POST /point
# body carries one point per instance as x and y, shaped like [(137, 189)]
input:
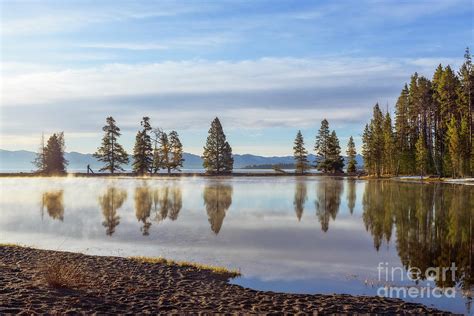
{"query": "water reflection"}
[(53, 201), (301, 196), (143, 203), (167, 203), (434, 225), (110, 202), (328, 200), (351, 195), (217, 199)]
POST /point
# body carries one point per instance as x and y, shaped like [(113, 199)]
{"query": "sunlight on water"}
[(303, 235)]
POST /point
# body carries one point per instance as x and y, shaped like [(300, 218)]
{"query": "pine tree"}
[(322, 146), (300, 154), (454, 147), (217, 156), (465, 147), (111, 152), (40, 159), (377, 140), (161, 152), (351, 155), (439, 131), (388, 145), (55, 163), (401, 131), (143, 151), (367, 149), (177, 159), (335, 160), (421, 155), (465, 103)]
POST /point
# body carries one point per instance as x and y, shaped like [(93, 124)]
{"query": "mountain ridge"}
[(21, 160)]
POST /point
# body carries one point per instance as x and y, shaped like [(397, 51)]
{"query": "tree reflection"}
[(300, 198), (351, 195), (167, 203), (328, 200), (217, 199), (143, 203), (53, 201), (434, 225), (110, 202), (163, 202), (176, 203)]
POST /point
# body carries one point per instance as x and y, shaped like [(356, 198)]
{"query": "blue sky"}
[(266, 68)]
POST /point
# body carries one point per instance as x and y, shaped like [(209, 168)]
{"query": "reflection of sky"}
[(261, 234)]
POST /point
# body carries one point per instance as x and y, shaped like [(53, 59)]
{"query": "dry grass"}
[(62, 275), (218, 270)]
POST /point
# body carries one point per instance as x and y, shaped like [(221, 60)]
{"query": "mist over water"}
[(302, 235)]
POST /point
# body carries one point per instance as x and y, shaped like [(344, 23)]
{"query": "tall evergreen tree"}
[(217, 156), (176, 161), (377, 140), (322, 146), (40, 159), (351, 156), (402, 131), (111, 152), (143, 151), (388, 145), (300, 154), (466, 106), (421, 155), (367, 149), (454, 147), (55, 163), (161, 152), (335, 160)]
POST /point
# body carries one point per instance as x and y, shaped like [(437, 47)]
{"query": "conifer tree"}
[(388, 145), (377, 140), (351, 155), (401, 131), (161, 152), (367, 149), (454, 147), (322, 146), (465, 103), (176, 161), (217, 155), (54, 161), (421, 155), (300, 154), (335, 160), (143, 151), (40, 159), (111, 152)]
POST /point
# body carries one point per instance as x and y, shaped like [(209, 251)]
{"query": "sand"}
[(110, 285)]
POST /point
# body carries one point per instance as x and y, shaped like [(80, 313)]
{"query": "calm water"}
[(312, 235)]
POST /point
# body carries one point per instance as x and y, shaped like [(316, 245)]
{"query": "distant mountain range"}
[(21, 160)]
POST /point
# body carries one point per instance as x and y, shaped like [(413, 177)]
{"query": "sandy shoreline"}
[(121, 285)]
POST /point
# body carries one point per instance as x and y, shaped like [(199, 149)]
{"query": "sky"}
[(266, 68)]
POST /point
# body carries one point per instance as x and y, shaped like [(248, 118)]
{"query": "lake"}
[(290, 234)]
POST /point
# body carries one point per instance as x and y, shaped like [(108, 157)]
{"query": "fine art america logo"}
[(390, 276)]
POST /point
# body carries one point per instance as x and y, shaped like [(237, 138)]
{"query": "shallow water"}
[(300, 235)]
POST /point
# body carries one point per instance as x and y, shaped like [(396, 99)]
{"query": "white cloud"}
[(200, 76)]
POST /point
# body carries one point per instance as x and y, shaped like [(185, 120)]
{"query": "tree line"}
[(328, 152), (433, 128), (153, 151)]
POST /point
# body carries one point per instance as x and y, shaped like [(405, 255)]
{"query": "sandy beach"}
[(110, 285)]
